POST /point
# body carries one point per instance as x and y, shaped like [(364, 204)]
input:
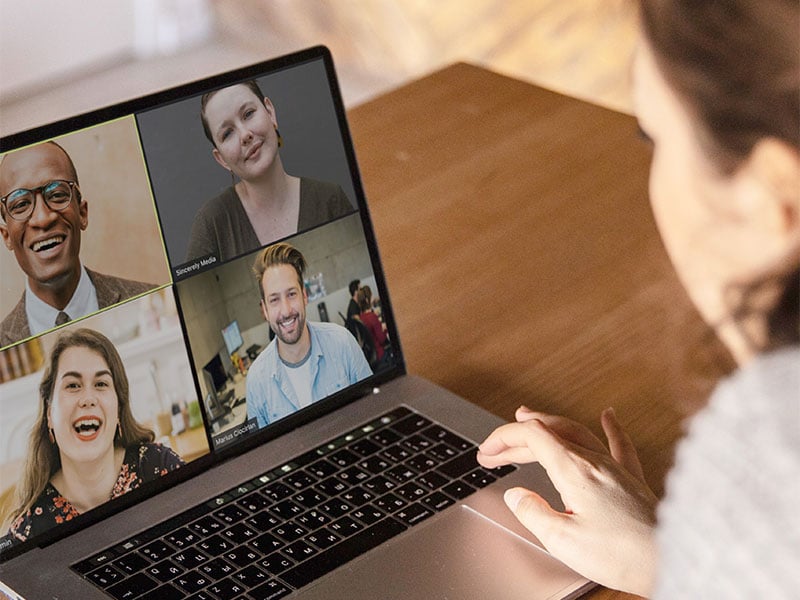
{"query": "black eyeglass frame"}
[(74, 189)]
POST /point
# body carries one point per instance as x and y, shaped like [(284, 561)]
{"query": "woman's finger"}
[(565, 428), (620, 444)]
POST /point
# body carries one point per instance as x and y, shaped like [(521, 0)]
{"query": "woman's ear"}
[(220, 161), (271, 110)]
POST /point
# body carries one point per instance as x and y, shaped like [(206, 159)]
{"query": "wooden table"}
[(523, 259)]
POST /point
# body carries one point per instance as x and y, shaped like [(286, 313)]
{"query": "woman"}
[(717, 89), (267, 204), (86, 447), (372, 322)]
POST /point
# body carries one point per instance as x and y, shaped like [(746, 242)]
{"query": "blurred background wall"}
[(58, 58)]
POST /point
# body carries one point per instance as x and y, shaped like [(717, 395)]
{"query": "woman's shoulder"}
[(729, 498), (221, 203), (154, 452), (150, 460), (48, 510), (321, 201)]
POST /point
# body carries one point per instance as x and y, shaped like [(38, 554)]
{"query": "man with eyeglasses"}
[(42, 215)]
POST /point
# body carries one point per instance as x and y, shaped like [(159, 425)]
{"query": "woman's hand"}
[(606, 531)]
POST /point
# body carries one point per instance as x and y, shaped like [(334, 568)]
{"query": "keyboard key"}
[(380, 485), (479, 478), (438, 501), (230, 514), (241, 556), (168, 592), (397, 453), (286, 509), (443, 452), (422, 463), (182, 538), (157, 550), (275, 563), (458, 490), (263, 521), (313, 519), (254, 502), (300, 550), (401, 473), (440, 434), (300, 480), (322, 469), (309, 498), (411, 424), (432, 480), (414, 513), (190, 558), (277, 491), (457, 467), (364, 447), (346, 526), (165, 570), (240, 533), (390, 503), (215, 545), (266, 543), (105, 576), (336, 508), (337, 555), (226, 589), (133, 587), (324, 538), (251, 576), (191, 581), (131, 563), (272, 590), (412, 491), (206, 526), (216, 569), (368, 515), (290, 532), (357, 496), (385, 437), (418, 443)]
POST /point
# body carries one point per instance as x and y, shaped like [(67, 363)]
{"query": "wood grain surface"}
[(523, 261)]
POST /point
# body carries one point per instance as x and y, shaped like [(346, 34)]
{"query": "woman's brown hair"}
[(735, 64)]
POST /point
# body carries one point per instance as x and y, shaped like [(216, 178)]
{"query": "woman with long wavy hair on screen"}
[(86, 447)]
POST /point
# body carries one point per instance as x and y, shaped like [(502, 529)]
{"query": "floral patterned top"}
[(141, 464)]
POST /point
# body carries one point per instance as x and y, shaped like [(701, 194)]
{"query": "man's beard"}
[(290, 337)]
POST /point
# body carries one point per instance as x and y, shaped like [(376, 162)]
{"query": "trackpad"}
[(461, 554)]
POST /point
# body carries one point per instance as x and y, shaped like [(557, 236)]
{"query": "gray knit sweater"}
[(729, 526)]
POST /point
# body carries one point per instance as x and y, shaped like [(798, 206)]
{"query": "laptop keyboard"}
[(278, 532)]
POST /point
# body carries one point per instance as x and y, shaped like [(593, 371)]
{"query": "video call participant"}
[(86, 447), (372, 322), (353, 309), (267, 204), (305, 362), (43, 214)]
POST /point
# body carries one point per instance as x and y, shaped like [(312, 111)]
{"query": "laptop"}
[(230, 486)]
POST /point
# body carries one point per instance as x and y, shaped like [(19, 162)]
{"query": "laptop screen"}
[(189, 274)]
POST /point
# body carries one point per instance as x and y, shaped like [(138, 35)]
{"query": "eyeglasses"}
[(57, 195)]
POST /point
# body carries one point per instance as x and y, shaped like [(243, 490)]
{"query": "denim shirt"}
[(336, 363)]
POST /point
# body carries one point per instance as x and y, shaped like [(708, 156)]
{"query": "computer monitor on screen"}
[(233, 337)]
